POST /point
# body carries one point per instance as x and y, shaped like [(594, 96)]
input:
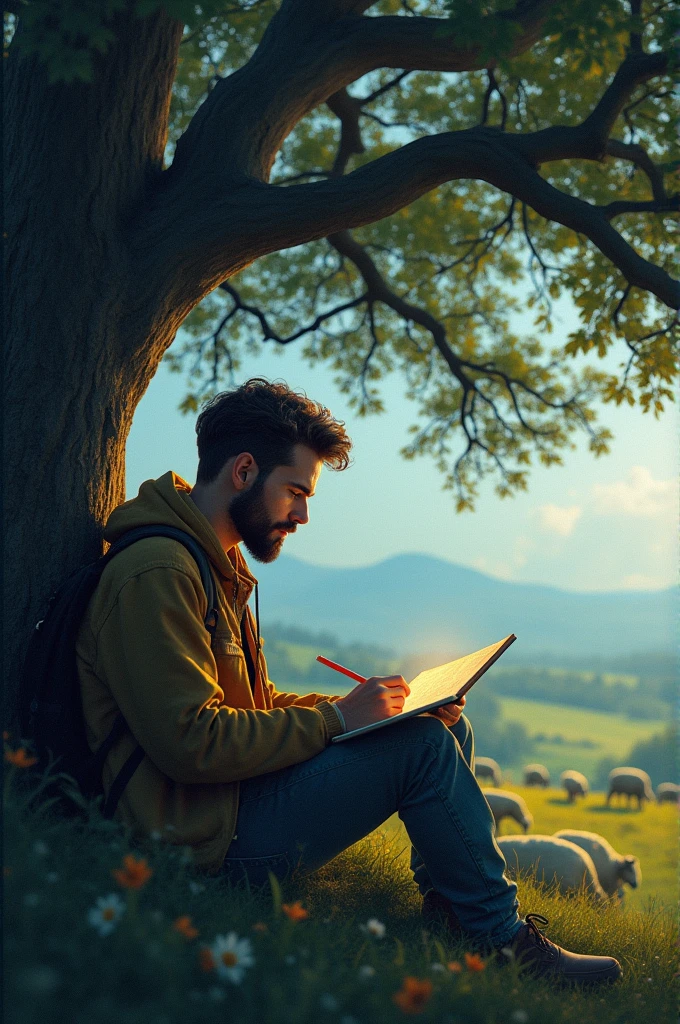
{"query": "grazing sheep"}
[(488, 769), (612, 868), (575, 784), (668, 792), (553, 860), (536, 775), (508, 805), (630, 782)]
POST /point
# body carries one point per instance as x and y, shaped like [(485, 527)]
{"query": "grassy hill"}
[(154, 966)]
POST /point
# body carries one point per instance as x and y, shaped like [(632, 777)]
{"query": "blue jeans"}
[(301, 817)]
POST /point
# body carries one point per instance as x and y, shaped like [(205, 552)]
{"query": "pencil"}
[(341, 668)]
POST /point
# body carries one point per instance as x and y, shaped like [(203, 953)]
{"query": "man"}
[(246, 775)]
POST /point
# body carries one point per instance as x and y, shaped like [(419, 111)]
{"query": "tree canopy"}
[(431, 170)]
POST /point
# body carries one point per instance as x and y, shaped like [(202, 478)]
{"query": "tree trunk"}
[(81, 345)]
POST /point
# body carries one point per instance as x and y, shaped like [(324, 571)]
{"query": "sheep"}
[(504, 804), (536, 775), (575, 784), (488, 769), (612, 868), (552, 859), (668, 792), (630, 782)]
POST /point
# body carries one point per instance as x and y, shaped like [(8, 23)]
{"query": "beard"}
[(250, 517)]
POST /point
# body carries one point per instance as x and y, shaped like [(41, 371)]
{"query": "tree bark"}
[(80, 347)]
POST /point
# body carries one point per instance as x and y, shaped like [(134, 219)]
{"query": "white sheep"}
[(575, 784), (504, 804), (612, 868), (488, 769), (536, 775), (552, 859), (630, 782), (668, 792)]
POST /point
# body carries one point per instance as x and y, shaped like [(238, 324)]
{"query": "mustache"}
[(287, 527)]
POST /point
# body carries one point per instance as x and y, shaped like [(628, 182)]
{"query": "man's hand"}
[(449, 713), (379, 697)]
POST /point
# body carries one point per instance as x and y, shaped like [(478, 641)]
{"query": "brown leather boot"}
[(544, 958), (437, 912)]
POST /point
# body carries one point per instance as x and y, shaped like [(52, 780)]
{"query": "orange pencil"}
[(341, 668)]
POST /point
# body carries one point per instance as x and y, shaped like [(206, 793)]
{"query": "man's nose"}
[(300, 513)]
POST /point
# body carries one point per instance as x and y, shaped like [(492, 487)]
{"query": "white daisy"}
[(231, 955), (106, 913), (519, 1016), (366, 971), (437, 968), (196, 887), (373, 927)]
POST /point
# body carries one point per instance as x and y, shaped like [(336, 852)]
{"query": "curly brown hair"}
[(266, 419)]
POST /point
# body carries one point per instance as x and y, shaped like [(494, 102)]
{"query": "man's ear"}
[(244, 471)]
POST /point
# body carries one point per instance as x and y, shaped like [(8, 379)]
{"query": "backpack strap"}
[(119, 726)]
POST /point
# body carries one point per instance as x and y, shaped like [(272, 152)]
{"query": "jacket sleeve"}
[(153, 651), (280, 699)]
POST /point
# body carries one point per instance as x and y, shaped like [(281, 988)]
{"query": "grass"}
[(610, 735), (145, 972)]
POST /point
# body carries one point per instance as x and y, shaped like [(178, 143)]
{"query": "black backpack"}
[(50, 706)]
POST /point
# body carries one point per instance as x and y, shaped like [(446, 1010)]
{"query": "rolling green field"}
[(609, 735)]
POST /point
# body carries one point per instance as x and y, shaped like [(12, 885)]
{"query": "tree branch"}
[(639, 156)]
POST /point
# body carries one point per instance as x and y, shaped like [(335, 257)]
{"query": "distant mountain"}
[(414, 603)]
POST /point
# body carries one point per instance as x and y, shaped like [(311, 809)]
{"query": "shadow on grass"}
[(609, 809)]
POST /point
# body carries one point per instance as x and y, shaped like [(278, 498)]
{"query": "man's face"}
[(272, 508)]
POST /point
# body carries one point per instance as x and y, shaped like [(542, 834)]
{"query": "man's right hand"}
[(379, 697)]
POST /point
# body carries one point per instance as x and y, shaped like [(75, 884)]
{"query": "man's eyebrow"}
[(301, 487)]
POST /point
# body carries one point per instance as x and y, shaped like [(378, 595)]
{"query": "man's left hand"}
[(449, 713)]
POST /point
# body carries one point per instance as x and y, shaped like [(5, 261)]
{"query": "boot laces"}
[(537, 936)]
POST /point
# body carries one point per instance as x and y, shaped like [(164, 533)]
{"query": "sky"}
[(592, 524)]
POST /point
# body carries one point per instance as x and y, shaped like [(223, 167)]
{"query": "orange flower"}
[(184, 926), (260, 926), (205, 960), (134, 874), (474, 962), (20, 758), (413, 995), (295, 911), (454, 965)]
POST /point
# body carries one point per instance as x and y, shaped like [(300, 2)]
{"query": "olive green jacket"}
[(143, 649)]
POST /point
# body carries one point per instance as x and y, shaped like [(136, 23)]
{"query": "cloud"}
[(506, 570), (558, 519), (638, 581), (639, 495)]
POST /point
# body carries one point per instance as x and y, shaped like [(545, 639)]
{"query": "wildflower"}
[(19, 758), (413, 995), (508, 953), (519, 1017), (106, 913), (196, 887), (134, 873), (184, 926), (31, 899), (295, 911), (328, 1002), (437, 968), (231, 955), (454, 966), (366, 971), (260, 926), (40, 848), (373, 927), (473, 962), (205, 960)]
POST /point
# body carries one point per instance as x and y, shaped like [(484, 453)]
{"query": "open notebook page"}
[(448, 680)]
